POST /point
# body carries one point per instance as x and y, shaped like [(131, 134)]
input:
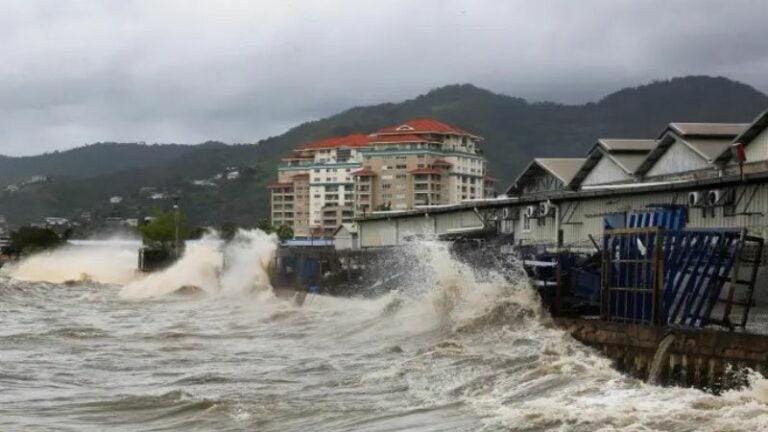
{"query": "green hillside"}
[(87, 161), (514, 130)]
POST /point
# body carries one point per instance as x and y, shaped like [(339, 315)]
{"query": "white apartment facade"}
[(418, 163)]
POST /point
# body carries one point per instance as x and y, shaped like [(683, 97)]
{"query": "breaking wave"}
[(453, 348), (236, 267), (111, 262)]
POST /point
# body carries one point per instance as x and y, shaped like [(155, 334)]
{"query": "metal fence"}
[(692, 278)]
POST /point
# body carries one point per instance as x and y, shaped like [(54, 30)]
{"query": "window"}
[(402, 166)]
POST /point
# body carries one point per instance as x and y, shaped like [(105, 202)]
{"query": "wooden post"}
[(605, 312), (659, 317)]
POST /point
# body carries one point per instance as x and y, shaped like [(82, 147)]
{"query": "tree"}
[(265, 226), (162, 227), (28, 239), (227, 231), (284, 232)]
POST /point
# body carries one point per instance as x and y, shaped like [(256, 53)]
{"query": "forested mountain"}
[(514, 130), (87, 161)]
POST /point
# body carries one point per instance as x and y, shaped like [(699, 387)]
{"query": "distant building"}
[(56, 222), (114, 221), (36, 179), (324, 184), (147, 190), (116, 200)]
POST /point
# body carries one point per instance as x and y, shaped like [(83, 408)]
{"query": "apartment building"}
[(422, 162)]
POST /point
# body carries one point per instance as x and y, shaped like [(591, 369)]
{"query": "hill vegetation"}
[(84, 179)]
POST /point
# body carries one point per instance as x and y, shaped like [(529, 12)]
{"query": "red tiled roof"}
[(364, 173), (425, 125), (278, 185), (354, 140), (441, 162), (424, 171), (397, 138), (305, 175)]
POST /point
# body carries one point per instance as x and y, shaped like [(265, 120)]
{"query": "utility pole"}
[(176, 224)]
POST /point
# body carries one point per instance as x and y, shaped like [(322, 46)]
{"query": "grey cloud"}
[(186, 71)]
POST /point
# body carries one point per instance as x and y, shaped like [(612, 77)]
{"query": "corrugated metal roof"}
[(709, 149), (754, 129), (562, 168), (709, 129), (638, 145), (709, 140), (629, 162), (627, 154)]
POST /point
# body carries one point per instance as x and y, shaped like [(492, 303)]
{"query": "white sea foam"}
[(111, 262), (233, 268)]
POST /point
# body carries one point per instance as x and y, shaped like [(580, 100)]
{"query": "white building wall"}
[(757, 150), (587, 217), (606, 171), (334, 177), (377, 233), (677, 159)]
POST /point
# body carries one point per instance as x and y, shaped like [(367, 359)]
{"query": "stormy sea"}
[(87, 344)]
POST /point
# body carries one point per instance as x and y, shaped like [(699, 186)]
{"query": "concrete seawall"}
[(708, 359)]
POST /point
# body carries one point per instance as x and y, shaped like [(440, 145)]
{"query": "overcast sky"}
[(76, 72)]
